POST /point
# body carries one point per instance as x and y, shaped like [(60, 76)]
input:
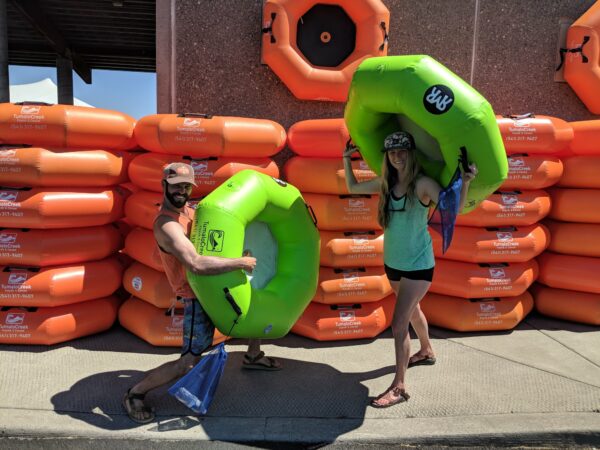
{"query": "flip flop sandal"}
[(254, 364), (131, 410), (401, 394), (427, 361)]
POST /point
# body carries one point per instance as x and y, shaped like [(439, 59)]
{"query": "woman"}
[(405, 195)]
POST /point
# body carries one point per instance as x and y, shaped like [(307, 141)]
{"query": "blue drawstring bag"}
[(444, 216), (197, 389)]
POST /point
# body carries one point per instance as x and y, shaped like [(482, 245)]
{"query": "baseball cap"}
[(398, 140), (175, 173)]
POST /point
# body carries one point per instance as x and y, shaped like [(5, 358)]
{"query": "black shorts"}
[(397, 275)]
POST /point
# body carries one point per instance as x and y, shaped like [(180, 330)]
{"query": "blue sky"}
[(133, 93)]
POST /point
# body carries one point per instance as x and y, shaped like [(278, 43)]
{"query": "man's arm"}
[(170, 236)]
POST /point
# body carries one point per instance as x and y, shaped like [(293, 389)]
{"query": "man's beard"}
[(176, 202)]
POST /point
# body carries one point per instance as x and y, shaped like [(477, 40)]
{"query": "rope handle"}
[(563, 51), (269, 29)]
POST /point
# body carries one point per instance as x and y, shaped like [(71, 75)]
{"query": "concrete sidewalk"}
[(537, 385)]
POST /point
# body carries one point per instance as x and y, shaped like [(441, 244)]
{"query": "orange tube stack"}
[(354, 299), (217, 148), (60, 203)]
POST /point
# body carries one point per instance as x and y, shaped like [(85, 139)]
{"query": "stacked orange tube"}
[(568, 285), (354, 298), (58, 214), (493, 246), (500, 240), (217, 148)]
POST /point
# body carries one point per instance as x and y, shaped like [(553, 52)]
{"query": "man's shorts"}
[(198, 329)]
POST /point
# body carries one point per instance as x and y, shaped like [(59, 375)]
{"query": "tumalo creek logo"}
[(438, 99)]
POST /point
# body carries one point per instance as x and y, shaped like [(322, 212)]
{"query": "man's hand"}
[(248, 263)]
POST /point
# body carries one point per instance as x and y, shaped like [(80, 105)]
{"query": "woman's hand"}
[(471, 174), (349, 150)]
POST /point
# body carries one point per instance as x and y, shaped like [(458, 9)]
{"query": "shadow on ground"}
[(303, 389)]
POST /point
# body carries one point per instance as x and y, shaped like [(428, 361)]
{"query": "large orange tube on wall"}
[(581, 172), (142, 207), (536, 135), (469, 280), (318, 138), (61, 246), (203, 135), (485, 314), (146, 171), (575, 205), (149, 285), (323, 175), (493, 245), (60, 208), (340, 322), (582, 239), (47, 326), (65, 126), (59, 285), (582, 69), (506, 208), (356, 285), (351, 248), (564, 304), (344, 212), (141, 246), (281, 51), (41, 167), (577, 273), (532, 172), (154, 325)]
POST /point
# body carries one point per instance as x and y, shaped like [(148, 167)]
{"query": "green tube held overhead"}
[(442, 112)]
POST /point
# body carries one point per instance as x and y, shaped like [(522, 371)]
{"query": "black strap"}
[(200, 115), (463, 160), (269, 29), (385, 37), (235, 308), (232, 302), (27, 269), (584, 59), (313, 216)]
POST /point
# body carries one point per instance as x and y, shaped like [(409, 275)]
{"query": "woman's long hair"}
[(389, 177)]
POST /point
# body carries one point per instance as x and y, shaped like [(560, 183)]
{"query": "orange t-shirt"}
[(174, 270)]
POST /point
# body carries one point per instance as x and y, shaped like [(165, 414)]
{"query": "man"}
[(171, 230)]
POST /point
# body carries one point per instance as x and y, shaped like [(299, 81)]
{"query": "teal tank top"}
[(406, 242)]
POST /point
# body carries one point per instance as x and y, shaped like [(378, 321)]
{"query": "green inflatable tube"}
[(218, 230), (442, 112)]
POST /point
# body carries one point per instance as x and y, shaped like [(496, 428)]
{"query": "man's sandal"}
[(132, 411), (260, 362), (400, 394)]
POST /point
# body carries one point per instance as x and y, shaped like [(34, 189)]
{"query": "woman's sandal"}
[(400, 394), (424, 361), (131, 410)]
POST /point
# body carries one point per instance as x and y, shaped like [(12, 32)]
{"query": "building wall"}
[(208, 55)]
